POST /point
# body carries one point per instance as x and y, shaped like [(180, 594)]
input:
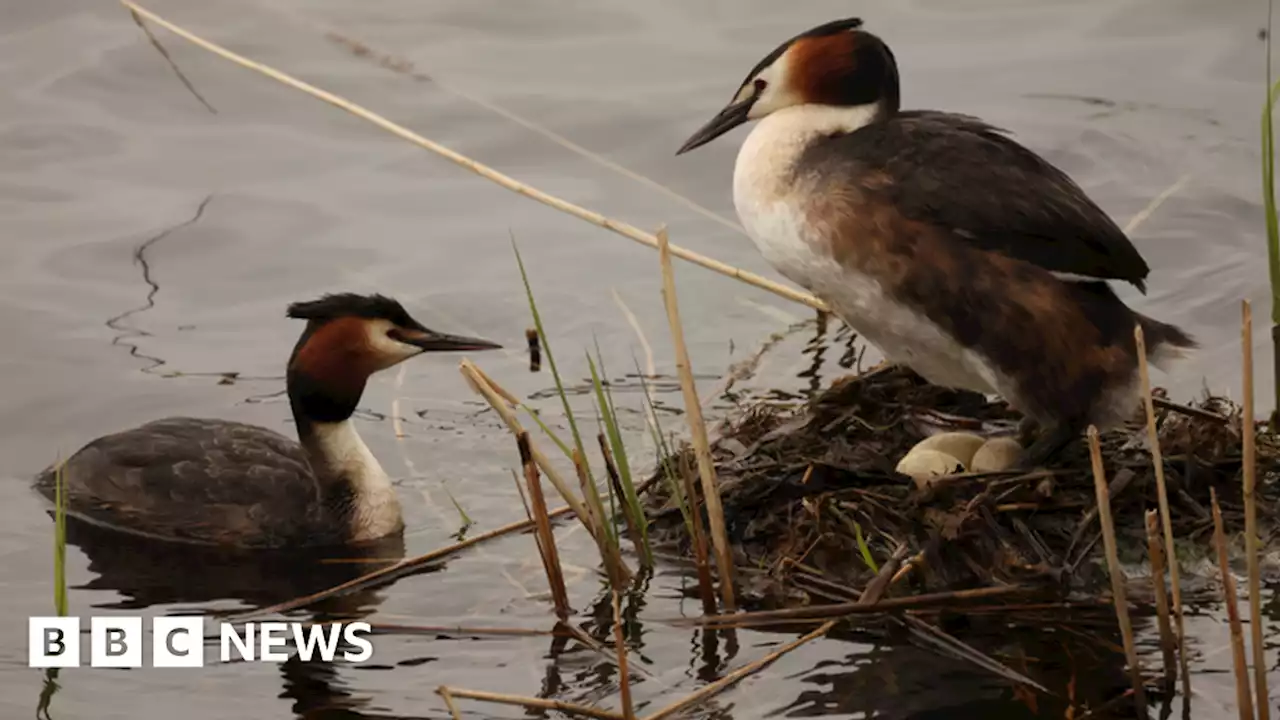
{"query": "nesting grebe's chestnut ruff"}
[(952, 248), (215, 482)]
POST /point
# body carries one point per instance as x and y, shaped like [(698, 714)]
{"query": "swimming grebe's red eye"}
[(760, 85)]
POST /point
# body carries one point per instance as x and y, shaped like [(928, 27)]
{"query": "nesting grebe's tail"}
[(1166, 344)]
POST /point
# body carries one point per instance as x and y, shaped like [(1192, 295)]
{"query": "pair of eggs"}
[(949, 453)]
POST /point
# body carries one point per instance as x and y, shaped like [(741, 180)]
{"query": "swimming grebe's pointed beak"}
[(729, 118), (432, 341)]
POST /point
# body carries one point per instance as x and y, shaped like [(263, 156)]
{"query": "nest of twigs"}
[(801, 486)]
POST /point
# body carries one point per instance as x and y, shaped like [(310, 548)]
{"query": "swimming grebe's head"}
[(836, 64), (350, 337)]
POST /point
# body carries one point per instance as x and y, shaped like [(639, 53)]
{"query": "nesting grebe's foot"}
[(1048, 445)]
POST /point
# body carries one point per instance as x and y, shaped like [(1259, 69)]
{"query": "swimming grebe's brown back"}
[(217, 482), (952, 248)]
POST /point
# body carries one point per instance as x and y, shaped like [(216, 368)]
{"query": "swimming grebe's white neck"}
[(348, 471)]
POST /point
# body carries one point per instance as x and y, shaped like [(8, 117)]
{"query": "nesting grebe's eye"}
[(760, 85)]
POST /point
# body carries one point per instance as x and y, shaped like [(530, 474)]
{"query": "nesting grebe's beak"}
[(432, 341), (729, 118)]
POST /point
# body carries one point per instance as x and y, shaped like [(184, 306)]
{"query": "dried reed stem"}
[(1168, 643), (1113, 568), (615, 479), (628, 231), (386, 573), (499, 399), (701, 558), (624, 677), (610, 551), (1244, 696), (1166, 518), (870, 597), (742, 672), (1253, 549), (448, 702), (546, 538), (531, 702), (697, 428), (839, 610), (459, 630)]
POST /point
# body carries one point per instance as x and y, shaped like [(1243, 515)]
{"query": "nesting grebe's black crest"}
[(836, 64)]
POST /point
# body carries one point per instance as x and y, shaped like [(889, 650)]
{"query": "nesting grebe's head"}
[(350, 337), (836, 64)]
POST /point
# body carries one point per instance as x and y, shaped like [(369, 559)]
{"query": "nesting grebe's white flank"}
[(216, 482), (952, 248)]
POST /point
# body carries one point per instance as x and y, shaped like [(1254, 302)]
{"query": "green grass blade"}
[(592, 490), (630, 500), (862, 548), (467, 522), (568, 453), (59, 544)]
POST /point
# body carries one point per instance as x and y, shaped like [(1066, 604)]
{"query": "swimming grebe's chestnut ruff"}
[(216, 482), (952, 248)]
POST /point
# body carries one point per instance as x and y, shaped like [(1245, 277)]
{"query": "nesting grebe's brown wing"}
[(193, 480), (970, 179)]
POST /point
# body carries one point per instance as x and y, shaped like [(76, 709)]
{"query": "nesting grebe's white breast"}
[(772, 202)]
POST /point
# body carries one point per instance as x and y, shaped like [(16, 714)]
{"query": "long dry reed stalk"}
[(530, 702), (386, 574), (1244, 696), (1168, 644), (546, 538), (840, 610), (697, 428), (610, 552), (498, 400), (870, 597), (625, 230), (1252, 544), (448, 702), (1166, 517), (701, 556), (624, 676), (1118, 593)]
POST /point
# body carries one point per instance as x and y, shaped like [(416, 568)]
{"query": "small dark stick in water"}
[(535, 350)]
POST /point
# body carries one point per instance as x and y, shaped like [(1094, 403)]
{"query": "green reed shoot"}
[(467, 522), (609, 538), (864, 549), (59, 544), (609, 416), (1269, 205)]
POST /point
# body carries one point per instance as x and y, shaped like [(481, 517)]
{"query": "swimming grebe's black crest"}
[(336, 305), (387, 313), (835, 64)]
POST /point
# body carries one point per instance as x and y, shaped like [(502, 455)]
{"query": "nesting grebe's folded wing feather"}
[(969, 178)]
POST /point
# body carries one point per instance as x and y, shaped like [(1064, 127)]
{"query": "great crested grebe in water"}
[(216, 482), (952, 248)]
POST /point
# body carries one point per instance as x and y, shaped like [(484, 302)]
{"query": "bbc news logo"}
[(178, 642)]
